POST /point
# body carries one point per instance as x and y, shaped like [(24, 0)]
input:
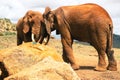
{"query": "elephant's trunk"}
[(41, 39), (48, 38)]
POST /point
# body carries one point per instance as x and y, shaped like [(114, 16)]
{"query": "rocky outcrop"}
[(7, 27), (34, 62)]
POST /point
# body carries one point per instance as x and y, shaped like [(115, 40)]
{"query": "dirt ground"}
[(89, 61), (86, 56)]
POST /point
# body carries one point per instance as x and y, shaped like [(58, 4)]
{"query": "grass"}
[(7, 41), (7, 33)]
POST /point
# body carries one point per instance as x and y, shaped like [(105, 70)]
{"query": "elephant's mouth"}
[(41, 39)]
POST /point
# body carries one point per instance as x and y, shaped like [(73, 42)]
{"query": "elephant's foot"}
[(112, 67), (75, 66), (100, 68)]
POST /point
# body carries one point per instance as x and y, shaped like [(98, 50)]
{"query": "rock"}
[(17, 58), (32, 62), (47, 69), (6, 25)]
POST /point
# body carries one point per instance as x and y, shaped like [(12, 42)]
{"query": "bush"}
[(7, 33)]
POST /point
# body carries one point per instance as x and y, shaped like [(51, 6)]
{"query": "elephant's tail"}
[(110, 40)]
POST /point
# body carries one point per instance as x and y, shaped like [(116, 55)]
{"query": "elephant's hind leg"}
[(101, 61), (99, 44), (112, 64)]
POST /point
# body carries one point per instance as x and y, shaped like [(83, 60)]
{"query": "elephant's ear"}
[(25, 25), (47, 10), (47, 23), (47, 26)]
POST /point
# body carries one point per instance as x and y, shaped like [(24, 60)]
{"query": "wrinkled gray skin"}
[(29, 28), (89, 23)]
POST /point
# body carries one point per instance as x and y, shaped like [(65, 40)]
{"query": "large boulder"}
[(32, 62), (17, 58), (47, 69)]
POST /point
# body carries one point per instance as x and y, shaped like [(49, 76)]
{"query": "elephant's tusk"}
[(48, 38), (45, 40), (33, 40), (40, 40), (33, 37)]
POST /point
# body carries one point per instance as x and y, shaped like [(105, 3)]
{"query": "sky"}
[(14, 9)]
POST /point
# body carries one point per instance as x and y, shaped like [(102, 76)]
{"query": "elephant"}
[(29, 27), (88, 23)]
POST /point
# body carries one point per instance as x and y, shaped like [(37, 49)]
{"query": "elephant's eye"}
[(30, 16)]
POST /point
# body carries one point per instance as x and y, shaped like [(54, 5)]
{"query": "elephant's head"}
[(49, 20), (34, 21)]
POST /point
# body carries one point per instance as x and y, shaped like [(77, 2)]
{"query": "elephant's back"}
[(85, 11), (86, 16)]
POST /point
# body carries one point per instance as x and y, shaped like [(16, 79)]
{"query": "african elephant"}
[(88, 23), (29, 27)]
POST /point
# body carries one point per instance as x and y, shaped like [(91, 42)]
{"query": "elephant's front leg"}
[(19, 40), (68, 53)]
